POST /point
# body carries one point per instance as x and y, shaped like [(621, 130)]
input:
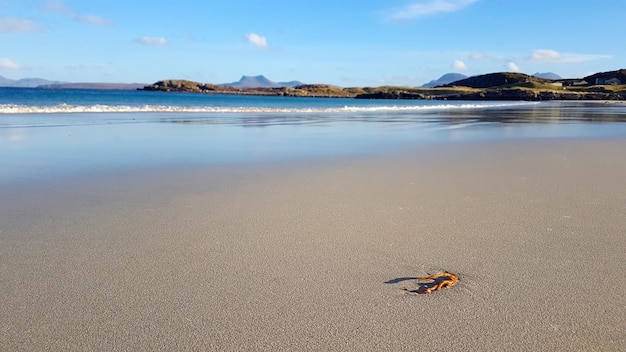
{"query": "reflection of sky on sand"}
[(12, 135), (68, 145)]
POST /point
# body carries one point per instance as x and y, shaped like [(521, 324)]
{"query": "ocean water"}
[(50, 133)]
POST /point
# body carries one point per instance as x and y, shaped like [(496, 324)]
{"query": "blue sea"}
[(46, 133)]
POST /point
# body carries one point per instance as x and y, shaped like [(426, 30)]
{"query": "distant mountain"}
[(291, 84), (260, 82), (445, 79), (547, 75), (32, 82), (24, 82), (46, 84), (107, 86), (5, 82)]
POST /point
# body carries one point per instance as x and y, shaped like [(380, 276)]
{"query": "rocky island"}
[(609, 85), (304, 90)]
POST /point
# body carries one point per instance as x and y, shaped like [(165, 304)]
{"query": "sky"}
[(345, 43)]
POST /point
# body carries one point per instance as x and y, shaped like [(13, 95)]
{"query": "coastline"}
[(312, 255), (509, 93), (499, 86)]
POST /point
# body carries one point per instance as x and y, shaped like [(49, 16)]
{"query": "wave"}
[(98, 108)]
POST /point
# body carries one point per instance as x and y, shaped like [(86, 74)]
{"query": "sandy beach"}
[(314, 255)]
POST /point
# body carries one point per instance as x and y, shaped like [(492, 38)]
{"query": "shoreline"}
[(496, 86), (297, 255), (392, 93)]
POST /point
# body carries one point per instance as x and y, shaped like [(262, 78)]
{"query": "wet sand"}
[(314, 255)]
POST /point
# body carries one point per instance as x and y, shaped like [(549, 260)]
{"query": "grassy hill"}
[(601, 77), (498, 79)]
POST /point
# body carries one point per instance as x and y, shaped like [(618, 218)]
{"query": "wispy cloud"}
[(545, 55), (479, 56), (153, 41), (459, 66), (9, 64), (95, 20), (424, 8), (56, 6), (18, 25), (256, 40), (550, 55), (511, 66)]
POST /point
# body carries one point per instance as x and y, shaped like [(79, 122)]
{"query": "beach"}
[(415, 175), (314, 254)]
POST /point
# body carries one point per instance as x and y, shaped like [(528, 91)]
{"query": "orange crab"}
[(437, 282)]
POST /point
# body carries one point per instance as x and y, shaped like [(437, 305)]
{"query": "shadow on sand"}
[(422, 286)]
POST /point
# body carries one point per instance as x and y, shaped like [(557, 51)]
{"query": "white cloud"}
[(8, 64), (95, 20), (427, 7), (256, 40), (459, 66), (153, 41), (549, 55), (484, 57), (57, 6), (477, 56), (545, 55), (16, 25), (511, 66)]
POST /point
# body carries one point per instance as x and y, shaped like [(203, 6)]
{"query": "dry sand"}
[(314, 256)]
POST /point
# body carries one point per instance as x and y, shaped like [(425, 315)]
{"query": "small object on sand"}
[(439, 281)]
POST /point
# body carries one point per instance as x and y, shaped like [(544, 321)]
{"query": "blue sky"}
[(346, 43)]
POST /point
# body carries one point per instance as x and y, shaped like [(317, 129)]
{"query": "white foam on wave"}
[(68, 109), (432, 107)]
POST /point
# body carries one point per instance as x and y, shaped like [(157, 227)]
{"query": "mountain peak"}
[(260, 81), (445, 79), (256, 82), (547, 75), (24, 82)]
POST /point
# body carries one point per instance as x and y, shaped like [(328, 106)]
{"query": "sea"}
[(55, 133)]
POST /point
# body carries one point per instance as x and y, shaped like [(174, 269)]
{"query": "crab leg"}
[(436, 286)]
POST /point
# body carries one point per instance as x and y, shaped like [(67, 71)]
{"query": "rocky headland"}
[(493, 86), (304, 90)]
